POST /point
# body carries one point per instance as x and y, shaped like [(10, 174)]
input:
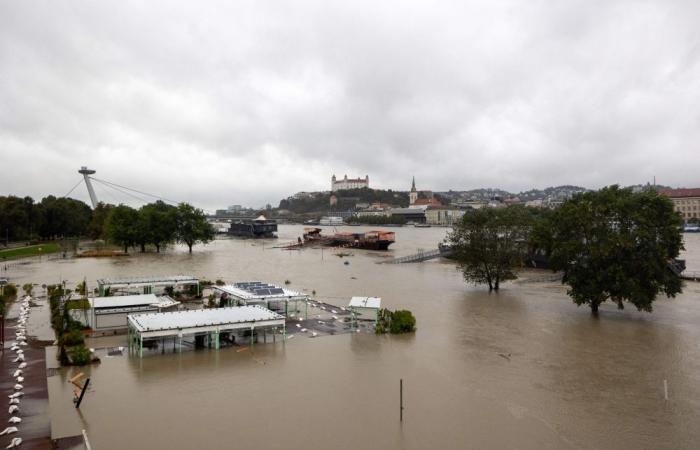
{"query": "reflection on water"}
[(524, 368)]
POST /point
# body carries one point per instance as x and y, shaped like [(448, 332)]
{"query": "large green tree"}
[(192, 226), (121, 226), (490, 243), (17, 218), (157, 225), (615, 244), (96, 228), (63, 217)]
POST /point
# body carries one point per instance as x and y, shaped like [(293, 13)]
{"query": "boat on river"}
[(368, 240), (260, 227)]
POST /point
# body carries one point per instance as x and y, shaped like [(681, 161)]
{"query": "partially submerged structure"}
[(214, 324), (109, 314), (260, 227), (258, 293), (147, 285), (365, 308)]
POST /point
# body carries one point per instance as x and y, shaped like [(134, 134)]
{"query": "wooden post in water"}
[(401, 400)]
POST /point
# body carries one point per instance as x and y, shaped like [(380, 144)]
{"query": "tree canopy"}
[(21, 218), (157, 224), (615, 245), (192, 226), (121, 226), (490, 243)]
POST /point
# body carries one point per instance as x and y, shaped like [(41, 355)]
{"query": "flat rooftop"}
[(148, 281), (251, 290), (130, 301), (201, 318), (365, 302)]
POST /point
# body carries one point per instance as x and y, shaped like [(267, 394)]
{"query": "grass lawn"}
[(32, 250)]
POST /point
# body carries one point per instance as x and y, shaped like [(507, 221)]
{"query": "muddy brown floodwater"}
[(524, 368)]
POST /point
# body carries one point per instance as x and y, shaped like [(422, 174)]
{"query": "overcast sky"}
[(247, 102)]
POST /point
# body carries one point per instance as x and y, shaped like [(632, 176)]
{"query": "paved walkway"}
[(35, 429)]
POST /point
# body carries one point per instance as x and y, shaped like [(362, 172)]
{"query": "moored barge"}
[(260, 227)]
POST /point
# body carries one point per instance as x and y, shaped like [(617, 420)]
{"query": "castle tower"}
[(413, 195), (333, 183)]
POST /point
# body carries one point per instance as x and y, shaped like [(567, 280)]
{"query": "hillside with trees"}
[(320, 201)]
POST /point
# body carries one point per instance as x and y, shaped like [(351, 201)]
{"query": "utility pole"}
[(401, 400)]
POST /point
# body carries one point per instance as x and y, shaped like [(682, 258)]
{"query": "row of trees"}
[(23, 219), (156, 224), (612, 244)]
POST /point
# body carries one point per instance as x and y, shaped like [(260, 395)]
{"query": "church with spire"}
[(413, 195), (423, 203)]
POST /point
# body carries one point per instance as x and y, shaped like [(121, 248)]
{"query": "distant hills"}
[(308, 202), (555, 193)]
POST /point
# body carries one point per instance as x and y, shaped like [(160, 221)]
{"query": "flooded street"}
[(524, 368)]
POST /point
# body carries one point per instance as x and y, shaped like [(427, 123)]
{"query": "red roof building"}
[(686, 202)]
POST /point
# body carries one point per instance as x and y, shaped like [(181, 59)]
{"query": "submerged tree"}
[(164, 228), (490, 243), (616, 244), (96, 228), (192, 226), (121, 226)]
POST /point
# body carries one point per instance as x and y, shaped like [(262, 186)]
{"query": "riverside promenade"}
[(35, 429)]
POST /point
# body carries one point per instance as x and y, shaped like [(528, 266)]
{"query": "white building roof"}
[(365, 302), (200, 318), (148, 281), (131, 301), (247, 295)]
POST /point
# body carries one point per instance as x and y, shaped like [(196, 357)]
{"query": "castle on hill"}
[(349, 183)]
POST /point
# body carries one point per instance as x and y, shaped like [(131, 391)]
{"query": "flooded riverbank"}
[(524, 368)]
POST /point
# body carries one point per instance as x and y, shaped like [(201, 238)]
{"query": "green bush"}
[(73, 337), (402, 321), (80, 356), (28, 288), (10, 291), (195, 290), (396, 322), (220, 282)]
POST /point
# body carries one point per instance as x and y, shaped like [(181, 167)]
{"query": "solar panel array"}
[(259, 288)]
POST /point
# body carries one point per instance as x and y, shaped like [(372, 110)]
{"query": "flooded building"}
[(258, 293), (212, 325), (107, 315), (145, 285)]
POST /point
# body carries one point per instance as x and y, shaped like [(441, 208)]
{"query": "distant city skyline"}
[(249, 103)]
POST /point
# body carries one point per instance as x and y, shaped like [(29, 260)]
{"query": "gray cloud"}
[(248, 102)]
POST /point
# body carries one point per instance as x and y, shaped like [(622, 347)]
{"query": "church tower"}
[(413, 195)]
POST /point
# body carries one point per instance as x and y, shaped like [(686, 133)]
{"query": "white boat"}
[(331, 221)]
